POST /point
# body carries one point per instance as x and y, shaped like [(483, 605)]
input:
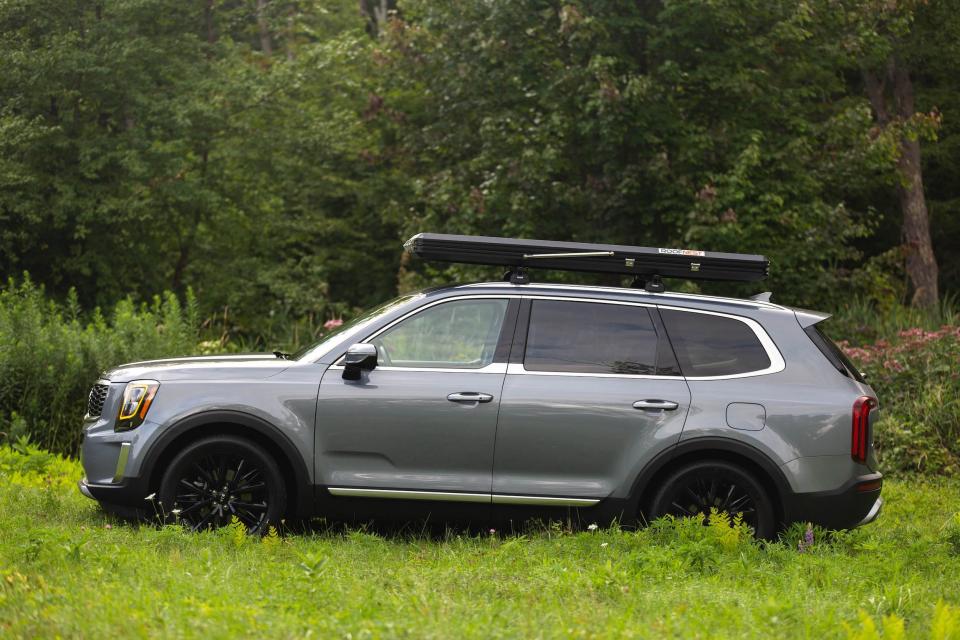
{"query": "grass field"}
[(66, 569)]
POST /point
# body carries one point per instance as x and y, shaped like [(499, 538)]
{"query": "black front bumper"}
[(128, 498), (856, 503)]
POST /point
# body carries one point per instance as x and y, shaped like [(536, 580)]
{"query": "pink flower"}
[(332, 323)]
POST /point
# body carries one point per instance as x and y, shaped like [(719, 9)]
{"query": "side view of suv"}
[(499, 401)]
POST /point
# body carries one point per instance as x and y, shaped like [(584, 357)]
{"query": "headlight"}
[(137, 398)]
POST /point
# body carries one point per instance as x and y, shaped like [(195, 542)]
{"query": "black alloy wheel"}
[(216, 479), (701, 486)]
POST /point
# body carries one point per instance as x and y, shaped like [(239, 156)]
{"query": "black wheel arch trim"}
[(706, 445), (183, 426)]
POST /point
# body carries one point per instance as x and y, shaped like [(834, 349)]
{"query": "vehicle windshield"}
[(350, 329)]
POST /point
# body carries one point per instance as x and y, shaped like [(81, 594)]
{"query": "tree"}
[(895, 41), (721, 125)]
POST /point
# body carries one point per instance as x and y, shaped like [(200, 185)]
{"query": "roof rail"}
[(647, 264)]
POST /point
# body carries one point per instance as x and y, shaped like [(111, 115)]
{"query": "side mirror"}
[(359, 357)]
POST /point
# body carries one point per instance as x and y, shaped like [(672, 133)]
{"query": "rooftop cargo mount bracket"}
[(646, 264)]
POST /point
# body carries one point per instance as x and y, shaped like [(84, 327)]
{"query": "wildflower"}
[(806, 542), (175, 512), (332, 323), (604, 544), (592, 527), (493, 532), (108, 526), (150, 497)]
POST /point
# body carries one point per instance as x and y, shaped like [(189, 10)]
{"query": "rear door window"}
[(590, 337), (711, 345)]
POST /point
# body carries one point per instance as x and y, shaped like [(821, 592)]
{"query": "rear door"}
[(592, 393)]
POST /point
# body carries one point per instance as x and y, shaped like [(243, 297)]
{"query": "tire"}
[(214, 479), (693, 488)]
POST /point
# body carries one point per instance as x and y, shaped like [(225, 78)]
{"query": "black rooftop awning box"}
[(644, 262)]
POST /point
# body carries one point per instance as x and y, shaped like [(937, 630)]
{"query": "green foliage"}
[(50, 356), (915, 374), (675, 578), (272, 155)]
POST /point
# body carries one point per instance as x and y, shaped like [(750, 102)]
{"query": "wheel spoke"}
[(251, 488), (726, 500), (237, 471), (683, 509), (203, 521), (259, 506), (195, 505)]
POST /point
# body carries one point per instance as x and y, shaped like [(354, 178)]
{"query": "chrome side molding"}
[(454, 496)]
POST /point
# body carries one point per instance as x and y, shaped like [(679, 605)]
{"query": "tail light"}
[(861, 428)]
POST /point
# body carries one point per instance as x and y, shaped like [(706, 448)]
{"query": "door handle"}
[(661, 405), (469, 396)]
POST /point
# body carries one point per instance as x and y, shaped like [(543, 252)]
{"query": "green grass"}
[(67, 569)]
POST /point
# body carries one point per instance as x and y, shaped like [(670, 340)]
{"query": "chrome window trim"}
[(777, 363), (493, 367), (458, 496), (517, 369)]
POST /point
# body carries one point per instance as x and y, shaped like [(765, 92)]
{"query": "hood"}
[(253, 366)]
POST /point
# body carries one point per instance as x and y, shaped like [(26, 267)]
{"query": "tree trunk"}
[(921, 263), (915, 229), (264, 28)]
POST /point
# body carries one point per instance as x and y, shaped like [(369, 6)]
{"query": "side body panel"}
[(807, 410), (564, 435), (396, 429)]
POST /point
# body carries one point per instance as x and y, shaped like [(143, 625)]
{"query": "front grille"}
[(95, 400)]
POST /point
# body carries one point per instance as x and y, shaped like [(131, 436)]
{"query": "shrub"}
[(50, 356), (916, 375)]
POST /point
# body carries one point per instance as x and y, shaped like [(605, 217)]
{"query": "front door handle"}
[(469, 396), (661, 405)]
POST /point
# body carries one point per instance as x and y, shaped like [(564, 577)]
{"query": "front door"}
[(421, 425), (589, 399)]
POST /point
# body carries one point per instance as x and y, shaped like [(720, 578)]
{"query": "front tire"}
[(699, 486), (215, 479)]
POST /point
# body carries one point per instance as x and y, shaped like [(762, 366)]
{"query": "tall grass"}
[(674, 579), (50, 355), (862, 321)]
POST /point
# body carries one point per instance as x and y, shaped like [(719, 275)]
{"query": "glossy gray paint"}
[(573, 436)]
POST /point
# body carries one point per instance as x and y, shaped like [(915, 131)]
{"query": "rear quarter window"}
[(833, 353), (711, 345)]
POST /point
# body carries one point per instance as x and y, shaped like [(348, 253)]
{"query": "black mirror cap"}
[(359, 357)]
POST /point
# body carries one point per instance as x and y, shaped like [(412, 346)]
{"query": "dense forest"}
[(272, 155)]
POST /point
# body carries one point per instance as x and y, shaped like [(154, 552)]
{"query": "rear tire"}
[(215, 479), (695, 487)]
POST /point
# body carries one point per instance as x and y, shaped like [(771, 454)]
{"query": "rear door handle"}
[(662, 405), (469, 396)]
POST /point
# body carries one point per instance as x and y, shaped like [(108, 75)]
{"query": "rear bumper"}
[(856, 503)]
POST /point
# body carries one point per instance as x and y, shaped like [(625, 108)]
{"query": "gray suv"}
[(500, 401)]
